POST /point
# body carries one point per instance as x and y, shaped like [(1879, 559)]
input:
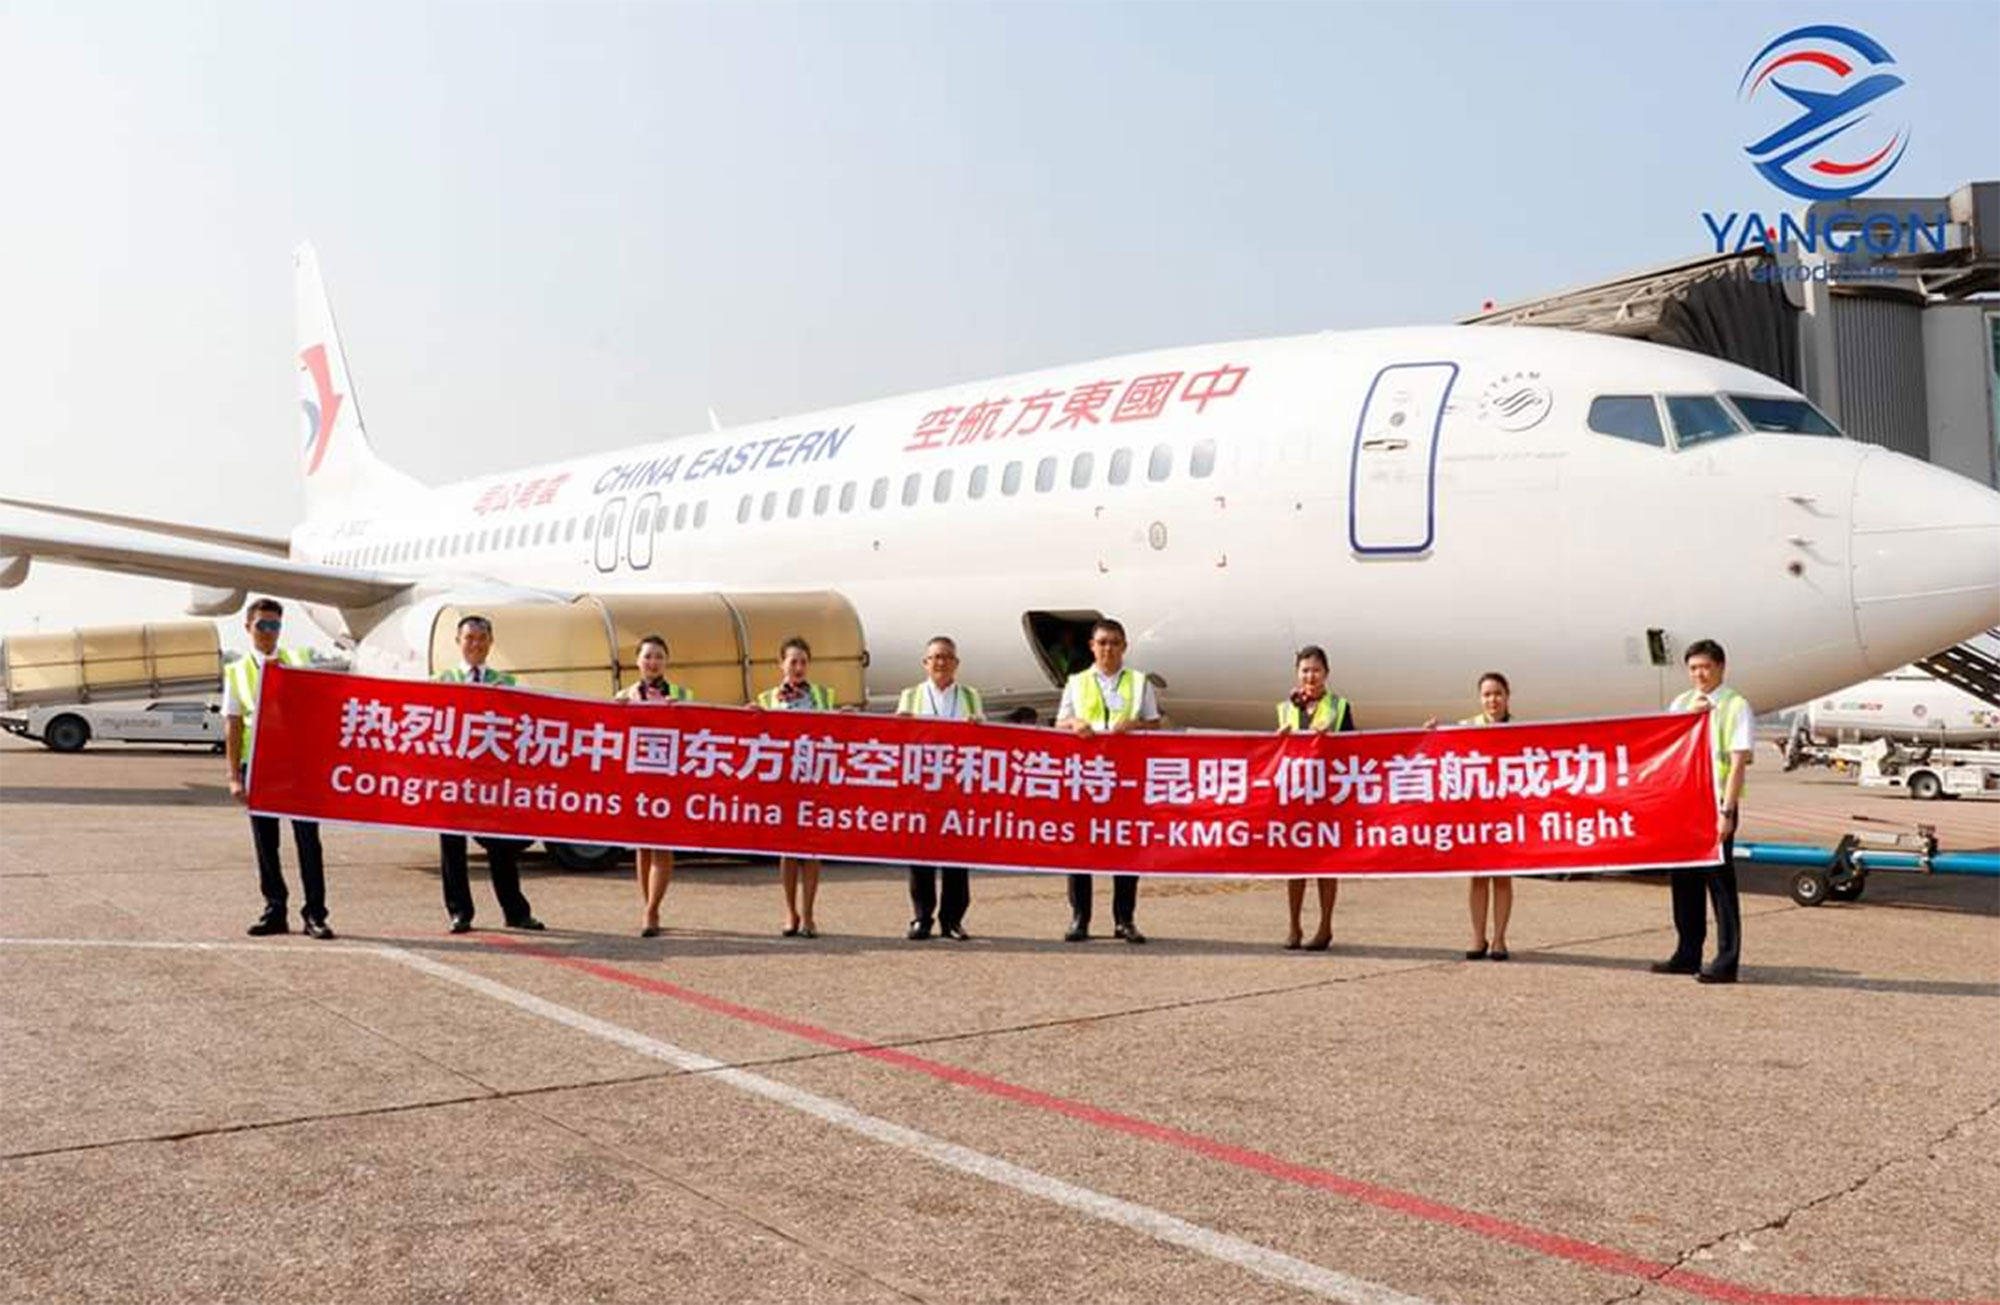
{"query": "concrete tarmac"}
[(719, 1114)]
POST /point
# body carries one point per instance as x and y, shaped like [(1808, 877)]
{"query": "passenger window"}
[(1121, 467), (1010, 479), (569, 532), (941, 488), (795, 503), (847, 497), (1632, 417), (541, 532), (878, 493), (743, 511), (1045, 475), (681, 517), (701, 514), (913, 488), (821, 498), (975, 484), (770, 505), (644, 522), (1161, 464), (663, 519), (1201, 463), (1079, 471), (1699, 418)]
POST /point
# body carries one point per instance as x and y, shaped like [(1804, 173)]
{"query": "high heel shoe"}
[(1477, 954)]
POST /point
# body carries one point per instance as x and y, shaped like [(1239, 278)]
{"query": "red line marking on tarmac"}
[(1554, 1245)]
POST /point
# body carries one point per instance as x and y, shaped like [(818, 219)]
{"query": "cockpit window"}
[(1699, 418), (1782, 416), (1632, 417)]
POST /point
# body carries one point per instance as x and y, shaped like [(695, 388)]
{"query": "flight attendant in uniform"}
[(797, 693), (940, 697), (1312, 708), (265, 620), (1732, 730), (1107, 698), (656, 864), (475, 642), (1495, 708)]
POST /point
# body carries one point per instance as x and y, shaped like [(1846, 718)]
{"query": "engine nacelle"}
[(13, 569), (206, 600)]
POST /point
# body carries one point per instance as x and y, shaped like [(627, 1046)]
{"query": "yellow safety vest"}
[(246, 675), (1726, 710), (820, 696), (1329, 713), (915, 702), (456, 675), (1089, 698), (1481, 719)]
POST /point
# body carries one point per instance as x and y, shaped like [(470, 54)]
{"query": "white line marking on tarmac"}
[(1262, 1261)]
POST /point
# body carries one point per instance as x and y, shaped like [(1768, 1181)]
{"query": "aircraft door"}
[(607, 542), (639, 548), (1392, 474)]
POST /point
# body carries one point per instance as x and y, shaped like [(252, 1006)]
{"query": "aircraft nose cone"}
[(1926, 558)]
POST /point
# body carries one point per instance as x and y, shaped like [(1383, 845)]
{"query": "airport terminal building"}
[(1885, 312)]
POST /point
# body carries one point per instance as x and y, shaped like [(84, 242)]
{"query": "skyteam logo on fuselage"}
[(321, 409), (1837, 143)]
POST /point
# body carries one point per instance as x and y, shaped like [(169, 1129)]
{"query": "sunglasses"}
[(268, 627)]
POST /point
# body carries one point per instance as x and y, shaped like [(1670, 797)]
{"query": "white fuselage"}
[(1909, 707), (1577, 563)]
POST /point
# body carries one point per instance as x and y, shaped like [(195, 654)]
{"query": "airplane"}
[(1908, 705), (1427, 503)]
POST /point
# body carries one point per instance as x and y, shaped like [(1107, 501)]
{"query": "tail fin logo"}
[(319, 416)]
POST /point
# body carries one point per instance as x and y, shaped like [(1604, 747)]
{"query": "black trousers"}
[(501, 854), (1693, 890), (924, 898), (1124, 897), (265, 834)]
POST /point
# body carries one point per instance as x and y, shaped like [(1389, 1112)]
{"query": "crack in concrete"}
[(1684, 1259)]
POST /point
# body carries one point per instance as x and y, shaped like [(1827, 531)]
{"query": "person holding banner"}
[(655, 864), (1731, 731), (475, 643), (1495, 708), (1312, 708), (940, 697), (797, 693), (265, 620), (1112, 698)]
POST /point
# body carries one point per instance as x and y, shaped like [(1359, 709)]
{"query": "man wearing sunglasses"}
[(265, 621)]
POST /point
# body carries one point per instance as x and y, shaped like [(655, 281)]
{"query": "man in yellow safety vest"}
[(1731, 730), (241, 681), (1108, 697), (940, 697)]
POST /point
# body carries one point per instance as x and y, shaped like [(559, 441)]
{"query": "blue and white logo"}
[(1838, 141)]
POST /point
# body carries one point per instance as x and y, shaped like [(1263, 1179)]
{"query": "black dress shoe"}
[(528, 922), (918, 930), (1716, 976), (1675, 965), (461, 924), (955, 932), (267, 926), (1129, 932), (1078, 932), (317, 928)]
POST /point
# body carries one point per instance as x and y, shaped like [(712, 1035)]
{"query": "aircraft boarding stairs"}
[(1973, 666)]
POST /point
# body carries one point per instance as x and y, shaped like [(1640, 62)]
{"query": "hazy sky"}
[(555, 228)]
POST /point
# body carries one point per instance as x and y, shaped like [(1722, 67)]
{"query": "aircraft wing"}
[(196, 564), (204, 534)]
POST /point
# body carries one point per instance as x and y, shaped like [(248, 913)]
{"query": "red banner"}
[(1628, 793)]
